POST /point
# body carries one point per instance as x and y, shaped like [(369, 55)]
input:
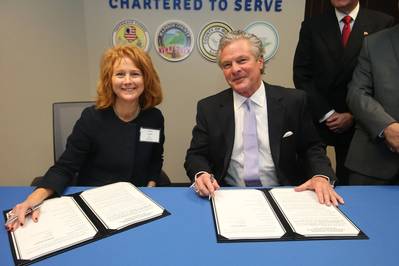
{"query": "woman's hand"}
[(31, 201)]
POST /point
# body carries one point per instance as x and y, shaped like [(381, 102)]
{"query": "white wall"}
[(188, 81), (43, 59), (50, 52)]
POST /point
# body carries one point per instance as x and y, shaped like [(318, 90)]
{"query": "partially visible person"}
[(373, 98), (119, 139), (254, 133), (324, 61)]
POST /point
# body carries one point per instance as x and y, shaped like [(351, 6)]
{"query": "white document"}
[(310, 218), (61, 224), (120, 204), (245, 214)]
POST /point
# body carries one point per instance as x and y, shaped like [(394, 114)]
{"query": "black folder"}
[(102, 231), (290, 234)]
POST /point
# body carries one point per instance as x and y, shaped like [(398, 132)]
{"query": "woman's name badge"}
[(149, 135)]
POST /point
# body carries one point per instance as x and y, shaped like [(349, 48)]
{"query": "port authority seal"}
[(174, 40), (268, 34), (131, 32), (209, 38)]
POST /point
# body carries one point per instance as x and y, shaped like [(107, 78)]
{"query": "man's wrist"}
[(388, 127), (197, 175), (332, 182), (200, 173)]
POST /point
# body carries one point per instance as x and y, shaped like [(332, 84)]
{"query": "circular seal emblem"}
[(174, 40), (131, 32), (268, 34), (209, 38)]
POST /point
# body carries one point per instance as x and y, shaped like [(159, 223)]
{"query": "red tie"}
[(346, 31)]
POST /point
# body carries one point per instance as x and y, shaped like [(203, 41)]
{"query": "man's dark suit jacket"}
[(373, 97), (104, 149), (323, 67), (213, 137)]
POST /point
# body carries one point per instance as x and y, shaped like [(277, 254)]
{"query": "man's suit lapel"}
[(331, 35), (275, 117), (395, 42), (355, 39), (275, 114), (343, 57), (226, 107)]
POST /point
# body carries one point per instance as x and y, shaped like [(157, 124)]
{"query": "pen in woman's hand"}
[(11, 215)]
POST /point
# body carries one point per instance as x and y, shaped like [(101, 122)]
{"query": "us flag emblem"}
[(130, 33)]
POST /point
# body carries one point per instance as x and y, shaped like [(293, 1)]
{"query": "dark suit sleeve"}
[(78, 146), (368, 112), (303, 70), (156, 162), (196, 157), (311, 150)]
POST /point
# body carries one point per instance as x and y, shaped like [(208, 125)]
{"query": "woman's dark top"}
[(103, 149)]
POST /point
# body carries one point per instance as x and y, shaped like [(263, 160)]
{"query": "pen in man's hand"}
[(211, 195)]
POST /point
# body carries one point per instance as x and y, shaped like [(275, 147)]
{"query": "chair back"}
[(65, 115)]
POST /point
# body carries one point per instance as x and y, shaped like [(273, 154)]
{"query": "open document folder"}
[(278, 214), (76, 219)]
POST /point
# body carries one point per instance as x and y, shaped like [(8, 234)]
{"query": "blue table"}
[(187, 237)]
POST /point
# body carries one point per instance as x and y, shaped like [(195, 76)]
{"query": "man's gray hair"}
[(232, 36)]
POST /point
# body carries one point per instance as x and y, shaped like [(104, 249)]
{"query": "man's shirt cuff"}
[(326, 116)]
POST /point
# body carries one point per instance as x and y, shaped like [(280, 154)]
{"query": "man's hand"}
[(206, 185), (391, 134), (339, 122), (151, 183), (324, 191)]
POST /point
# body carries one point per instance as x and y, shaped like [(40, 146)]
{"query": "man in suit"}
[(254, 134), (373, 98), (325, 58)]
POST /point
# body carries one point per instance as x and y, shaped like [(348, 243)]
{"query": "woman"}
[(119, 139)]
